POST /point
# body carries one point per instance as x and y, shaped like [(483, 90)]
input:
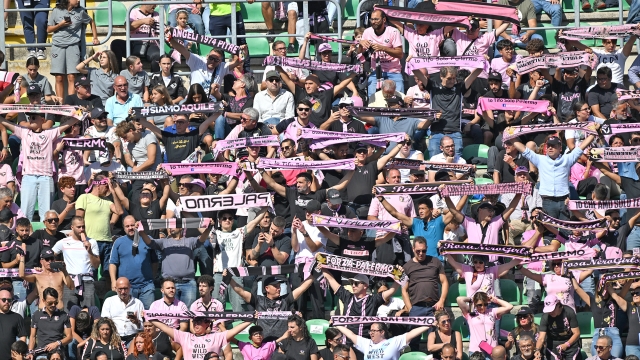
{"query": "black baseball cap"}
[(524, 311), (417, 172), (495, 76), (273, 281), (47, 254), (554, 141), (334, 197), (313, 206), (395, 100), (475, 24), (34, 89), (98, 112), (82, 81)]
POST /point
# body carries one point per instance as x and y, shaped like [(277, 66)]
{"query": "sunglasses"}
[(342, 106), (287, 147), (185, 185), (275, 80), (5, 300), (225, 218), (636, 294), (635, 140), (304, 109), (600, 347), (50, 221), (361, 150), (213, 58), (478, 262), (47, 260), (445, 321), (420, 251)]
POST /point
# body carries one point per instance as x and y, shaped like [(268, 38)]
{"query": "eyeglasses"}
[(182, 122), (242, 118), (275, 80), (213, 58), (520, 317), (148, 194), (51, 303), (225, 218), (53, 220), (448, 146), (482, 305), (635, 140), (304, 109), (185, 185), (5, 300), (47, 260), (281, 49), (601, 347), (342, 106), (587, 109), (556, 264), (420, 251), (121, 85), (615, 219)]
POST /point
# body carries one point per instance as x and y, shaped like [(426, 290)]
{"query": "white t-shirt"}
[(200, 74), (96, 168), (315, 235), (580, 135), (76, 256), (615, 61), (230, 254), (404, 173), (385, 350)]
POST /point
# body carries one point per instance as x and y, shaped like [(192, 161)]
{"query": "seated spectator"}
[(333, 345), (297, 75), (82, 95), (603, 95), (104, 339), (274, 103), (82, 321), (33, 77), (193, 12), (380, 341), (388, 90), (117, 107), (298, 343), (584, 176), (172, 82), (142, 348), (19, 349), (6, 202), (7, 178), (102, 78), (164, 346), (137, 78), (443, 335), (144, 23)]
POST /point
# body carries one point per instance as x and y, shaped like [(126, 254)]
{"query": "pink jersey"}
[(423, 45), (419, 102), (389, 38), (292, 130), (73, 166), (402, 203), (214, 305), (561, 287), (482, 328), (196, 347), (479, 46), (474, 232), (484, 280), (6, 175), (264, 352), (143, 30), (161, 306), (37, 150), (499, 65)]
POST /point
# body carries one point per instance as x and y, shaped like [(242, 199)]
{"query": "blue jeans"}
[(36, 188), (633, 240), (372, 81), (186, 292), (419, 311), (434, 143), (632, 349), (31, 19), (237, 303), (203, 256), (614, 334), (222, 128), (105, 257), (73, 349), (194, 19), (556, 209), (413, 3), (553, 10), (146, 294), (14, 146), (518, 43), (19, 290)]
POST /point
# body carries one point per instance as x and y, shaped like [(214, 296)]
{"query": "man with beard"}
[(125, 310), (292, 128), (527, 349), (135, 261), (169, 302), (270, 248), (56, 279), (12, 324), (177, 259), (274, 103), (288, 151), (570, 87), (448, 155), (508, 160), (100, 129), (342, 121)]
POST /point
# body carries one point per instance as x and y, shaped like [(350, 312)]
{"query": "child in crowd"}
[(137, 78)]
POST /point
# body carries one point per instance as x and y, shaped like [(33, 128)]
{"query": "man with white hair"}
[(50, 234), (379, 99), (250, 127)]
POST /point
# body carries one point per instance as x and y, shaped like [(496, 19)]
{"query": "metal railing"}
[(234, 34)]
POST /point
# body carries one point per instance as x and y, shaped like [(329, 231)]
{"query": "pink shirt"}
[(474, 232), (402, 203), (482, 328), (6, 175), (37, 150), (469, 47), (577, 173), (426, 45), (391, 38), (499, 65), (561, 287), (73, 166), (292, 130), (215, 305), (177, 305), (262, 353), (143, 30), (484, 280), (196, 347), (419, 102)]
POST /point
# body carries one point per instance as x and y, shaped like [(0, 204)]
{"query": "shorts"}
[(64, 60)]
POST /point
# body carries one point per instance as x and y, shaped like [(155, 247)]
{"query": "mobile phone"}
[(130, 314), (57, 265), (67, 18)]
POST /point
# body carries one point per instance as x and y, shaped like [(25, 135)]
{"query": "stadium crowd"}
[(84, 259)]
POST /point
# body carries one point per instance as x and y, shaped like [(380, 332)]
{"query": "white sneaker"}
[(41, 55), (32, 53)]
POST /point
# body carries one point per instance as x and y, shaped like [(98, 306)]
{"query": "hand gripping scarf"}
[(85, 143), (627, 94), (244, 316), (410, 113), (615, 154), (333, 39), (539, 106), (558, 255), (335, 262), (403, 320), (592, 225), (512, 132), (309, 64), (143, 112), (398, 163), (266, 163), (516, 252), (75, 112), (173, 223), (268, 140), (206, 40), (560, 60), (381, 225), (415, 188), (604, 204), (423, 17), (223, 168), (436, 62), (142, 175), (259, 271)]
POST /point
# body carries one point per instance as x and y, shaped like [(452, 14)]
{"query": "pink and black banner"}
[(266, 163), (506, 188), (600, 32), (228, 201), (205, 40), (309, 64), (379, 225), (268, 140), (142, 175), (512, 132), (416, 188), (423, 17), (223, 168), (390, 112), (398, 163), (603, 204), (321, 139), (173, 223), (615, 154), (143, 112), (85, 143), (612, 129), (478, 9), (455, 248), (560, 60), (402, 320), (335, 262), (602, 264), (591, 225), (627, 275), (436, 62), (486, 104)]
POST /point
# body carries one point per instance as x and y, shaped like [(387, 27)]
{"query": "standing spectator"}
[(11, 323), (68, 22), (632, 308), (271, 247), (142, 152), (104, 340), (508, 161), (101, 129), (65, 206), (482, 324), (299, 343), (82, 95), (48, 277), (23, 249), (442, 336), (118, 105), (124, 310), (480, 277), (81, 254), (297, 75), (173, 82), (507, 58), (169, 302), (381, 344), (603, 95), (561, 324), (37, 167), (100, 214), (527, 15), (31, 19), (50, 327), (571, 88), (206, 302), (70, 161), (144, 23), (82, 321), (102, 78), (520, 219), (274, 103), (134, 261), (50, 234), (220, 20)]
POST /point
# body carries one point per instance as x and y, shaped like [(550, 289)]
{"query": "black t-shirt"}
[(93, 101), (272, 329), (604, 98), (93, 347), (320, 103), (470, 103), (353, 126), (298, 350), (568, 95), (558, 328), (49, 328), (261, 129), (449, 101), (526, 89), (153, 211), (265, 257), (298, 201), (364, 178), (326, 76), (633, 314), (162, 344), (604, 312), (59, 206), (353, 307), (11, 327), (632, 189), (360, 250), (516, 338), (94, 314), (47, 239), (507, 174), (34, 248), (180, 146)]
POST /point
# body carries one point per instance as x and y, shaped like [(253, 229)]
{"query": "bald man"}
[(125, 310), (448, 352), (138, 266), (117, 107), (499, 353)]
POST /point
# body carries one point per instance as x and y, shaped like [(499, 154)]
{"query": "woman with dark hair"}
[(161, 341), (632, 307), (298, 345), (197, 95), (444, 334), (105, 338), (381, 345), (55, 355), (581, 114), (142, 348), (482, 320), (160, 97), (34, 77), (166, 77), (102, 78), (480, 277), (333, 338), (137, 78)]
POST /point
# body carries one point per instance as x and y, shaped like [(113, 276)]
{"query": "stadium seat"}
[(258, 47), (507, 323), (350, 9), (460, 324), (316, 328), (537, 318), (251, 13), (109, 294), (244, 334), (455, 290), (482, 181), (476, 150), (585, 322), (548, 36), (414, 355), (37, 225), (510, 291), (568, 6), (118, 13)]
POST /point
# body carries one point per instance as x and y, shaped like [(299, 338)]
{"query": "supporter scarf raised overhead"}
[(347, 164), (223, 168), (486, 104), (627, 94), (416, 188), (13, 273), (512, 132), (560, 60), (627, 275), (309, 64), (206, 40), (479, 9), (506, 188), (404, 112), (244, 316), (269, 140), (398, 163), (603, 204), (259, 271), (333, 39), (382, 225), (183, 223), (423, 17), (612, 129), (228, 201), (602, 264), (85, 143), (340, 263), (592, 225), (75, 112), (453, 248), (615, 154), (142, 175), (340, 138), (401, 320), (143, 112), (436, 62), (600, 32), (558, 255)]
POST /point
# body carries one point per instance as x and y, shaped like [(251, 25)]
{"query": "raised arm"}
[(151, 127), (281, 190), (454, 264), (244, 294), (348, 333), (512, 207), (334, 238), (533, 276), (415, 333), (286, 79), (331, 280), (306, 284), (406, 220), (504, 268), (504, 308), (236, 330), (164, 328), (457, 215)]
